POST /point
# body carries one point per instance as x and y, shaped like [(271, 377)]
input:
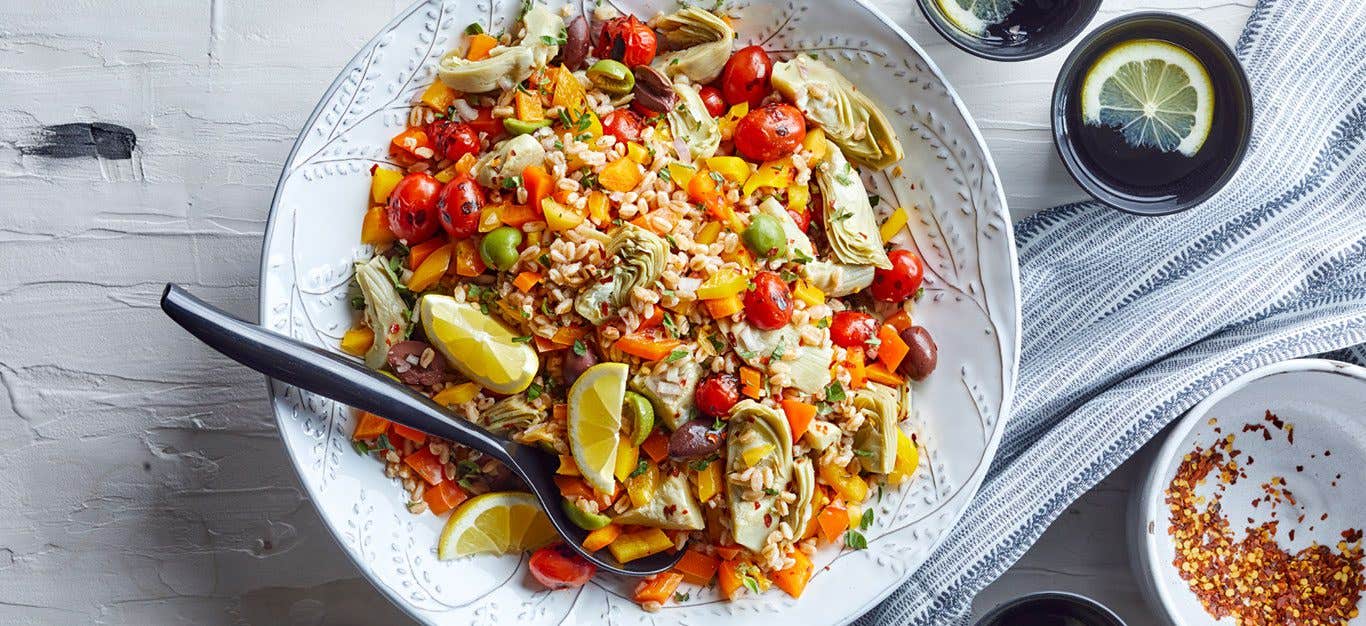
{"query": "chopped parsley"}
[(677, 354), (834, 392), (855, 539), (522, 339), (863, 453), (579, 348), (361, 447), (717, 343), (533, 392), (866, 522), (642, 467)]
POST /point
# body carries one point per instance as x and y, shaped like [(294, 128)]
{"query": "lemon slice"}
[(595, 422), (481, 347), (495, 523), (974, 16), (1156, 93)]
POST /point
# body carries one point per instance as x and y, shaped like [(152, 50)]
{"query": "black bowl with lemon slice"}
[(1009, 30), (1152, 113)]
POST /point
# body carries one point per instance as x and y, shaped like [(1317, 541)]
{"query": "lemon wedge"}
[(595, 422), (495, 523), (481, 347), (1156, 93)]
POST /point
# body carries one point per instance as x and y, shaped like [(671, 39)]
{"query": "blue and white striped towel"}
[(1129, 321)]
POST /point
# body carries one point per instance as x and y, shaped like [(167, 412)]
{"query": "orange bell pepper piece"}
[(444, 497), (729, 578), (833, 520), (724, 307), (901, 320), (411, 434), (479, 47), (419, 253), (374, 229), (656, 318), (658, 588), (369, 426), (432, 269), (467, 260), (601, 537), (526, 280), (656, 446), (697, 568), (427, 465), (405, 145), (879, 373), (799, 415), (892, 349), (751, 382), (646, 347), (539, 185), (793, 579), (853, 361)]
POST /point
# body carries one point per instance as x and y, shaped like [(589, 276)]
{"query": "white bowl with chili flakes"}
[(1253, 509)]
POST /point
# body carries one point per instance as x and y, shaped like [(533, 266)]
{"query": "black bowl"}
[(1051, 608), (1229, 136), (1059, 29)]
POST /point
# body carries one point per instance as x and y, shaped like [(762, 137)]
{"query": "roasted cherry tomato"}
[(453, 140), (745, 78), (411, 212), (768, 304), (623, 124), (902, 281), (558, 567), (459, 206), (717, 394), (770, 132), (628, 40), (711, 96), (852, 329)]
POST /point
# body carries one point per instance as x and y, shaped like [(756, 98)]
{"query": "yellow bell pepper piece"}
[(383, 183), (567, 92), (733, 169), (439, 97), (798, 197), (852, 488), (374, 229), (640, 544), (627, 455), (755, 454), (357, 340), (681, 174), (567, 466), (907, 459), (709, 481), (456, 395), (709, 233), (778, 174), (815, 144), (637, 153), (640, 489), (895, 222), (722, 284), (559, 217), (808, 293), (621, 175), (598, 208), (432, 269), (732, 117), (528, 106)]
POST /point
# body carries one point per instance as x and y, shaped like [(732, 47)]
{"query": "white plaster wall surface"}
[(141, 475)]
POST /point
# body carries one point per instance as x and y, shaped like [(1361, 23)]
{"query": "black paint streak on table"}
[(76, 140)]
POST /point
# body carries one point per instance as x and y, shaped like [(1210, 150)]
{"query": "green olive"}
[(612, 77), (765, 237), (516, 127), (499, 248), (583, 519), (642, 415)]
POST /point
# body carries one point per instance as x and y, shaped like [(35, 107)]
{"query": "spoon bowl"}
[(341, 379)]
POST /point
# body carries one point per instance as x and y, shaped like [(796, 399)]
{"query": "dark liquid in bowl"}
[(1049, 612), (1030, 18)]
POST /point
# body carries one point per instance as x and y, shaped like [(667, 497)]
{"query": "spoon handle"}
[(324, 373)]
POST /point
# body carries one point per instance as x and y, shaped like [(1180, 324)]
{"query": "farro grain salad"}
[(653, 255)]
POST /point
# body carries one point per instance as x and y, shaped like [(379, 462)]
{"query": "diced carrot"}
[(374, 229), (724, 307), (729, 578), (853, 361), (480, 45), (793, 579), (892, 349), (878, 373), (526, 280), (646, 347), (601, 537), (799, 415), (751, 382), (901, 320), (411, 434), (419, 253), (833, 521), (656, 446), (658, 588), (697, 568), (426, 464), (369, 426), (444, 497), (432, 269), (539, 185), (728, 553), (467, 260)]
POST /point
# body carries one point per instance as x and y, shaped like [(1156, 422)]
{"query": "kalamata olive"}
[(654, 91), (576, 364), (693, 440), (575, 48), (923, 354), (416, 363)]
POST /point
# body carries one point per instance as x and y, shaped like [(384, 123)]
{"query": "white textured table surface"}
[(141, 475)]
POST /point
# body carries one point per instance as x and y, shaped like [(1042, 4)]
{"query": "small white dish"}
[(1325, 401)]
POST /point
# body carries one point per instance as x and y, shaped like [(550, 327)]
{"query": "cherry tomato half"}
[(902, 281), (802, 218), (770, 132), (459, 206), (711, 96), (558, 567), (745, 77), (453, 140), (623, 124), (768, 304), (717, 394), (852, 329), (411, 211), (628, 40)]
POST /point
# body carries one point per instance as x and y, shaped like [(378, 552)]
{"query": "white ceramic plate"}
[(959, 224), (1326, 403)]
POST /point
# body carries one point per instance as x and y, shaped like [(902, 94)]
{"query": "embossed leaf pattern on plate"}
[(959, 225)]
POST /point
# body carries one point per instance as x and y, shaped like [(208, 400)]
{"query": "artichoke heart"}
[(673, 507), (511, 414), (838, 279), (755, 346), (690, 123), (760, 434), (810, 371), (670, 389), (508, 159), (640, 256), (846, 115), (543, 30), (385, 311), (804, 475), (875, 441), (700, 43), (850, 225)]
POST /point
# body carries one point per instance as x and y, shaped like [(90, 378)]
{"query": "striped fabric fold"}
[(1129, 321)]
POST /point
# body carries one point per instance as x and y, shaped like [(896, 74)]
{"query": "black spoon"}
[(327, 374)]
